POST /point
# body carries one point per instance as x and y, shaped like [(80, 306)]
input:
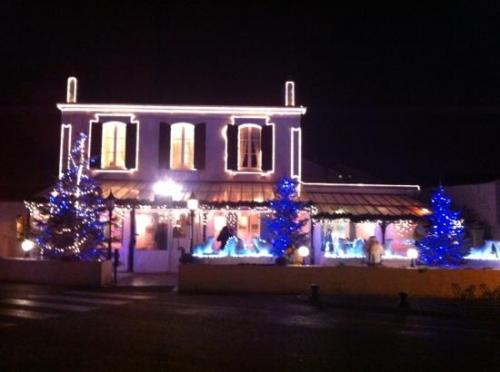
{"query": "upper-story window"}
[(249, 147), (113, 145), (182, 146)]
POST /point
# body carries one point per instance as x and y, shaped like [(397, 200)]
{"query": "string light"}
[(443, 246), (70, 223), (285, 226)]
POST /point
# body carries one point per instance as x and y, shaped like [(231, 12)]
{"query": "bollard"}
[(314, 298), (116, 258), (403, 300)]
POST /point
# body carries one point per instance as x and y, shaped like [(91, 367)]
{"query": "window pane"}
[(250, 148), (182, 146), (188, 151), (176, 147), (113, 145)]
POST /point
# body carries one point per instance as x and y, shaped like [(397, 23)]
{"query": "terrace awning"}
[(331, 202)]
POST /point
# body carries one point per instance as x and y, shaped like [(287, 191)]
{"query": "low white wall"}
[(398, 262), (78, 273), (236, 260), (272, 279)]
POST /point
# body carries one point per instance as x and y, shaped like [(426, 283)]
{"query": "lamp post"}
[(110, 205), (192, 205)]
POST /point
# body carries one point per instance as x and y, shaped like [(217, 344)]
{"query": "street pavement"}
[(155, 329)]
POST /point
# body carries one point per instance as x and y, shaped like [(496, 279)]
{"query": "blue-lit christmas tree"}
[(285, 227), (70, 226), (444, 243)]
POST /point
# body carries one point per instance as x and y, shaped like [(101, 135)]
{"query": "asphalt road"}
[(59, 329)]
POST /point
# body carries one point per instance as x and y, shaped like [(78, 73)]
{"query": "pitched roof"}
[(331, 201)]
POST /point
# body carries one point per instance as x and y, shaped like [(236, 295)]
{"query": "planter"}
[(71, 273)]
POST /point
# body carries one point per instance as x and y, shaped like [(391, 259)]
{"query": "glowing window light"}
[(182, 146), (224, 135), (97, 119), (249, 147), (113, 145)]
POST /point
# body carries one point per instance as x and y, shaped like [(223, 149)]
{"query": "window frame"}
[(258, 167), (118, 125), (184, 140)]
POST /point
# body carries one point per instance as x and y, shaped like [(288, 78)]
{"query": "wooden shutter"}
[(131, 146), (200, 133), (267, 147), (164, 146), (95, 146), (232, 147)]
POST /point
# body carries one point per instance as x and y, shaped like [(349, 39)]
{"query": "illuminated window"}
[(250, 154), (182, 146), (248, 227), (113, 145)]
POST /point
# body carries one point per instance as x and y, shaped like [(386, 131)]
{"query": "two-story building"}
[(154, 158)]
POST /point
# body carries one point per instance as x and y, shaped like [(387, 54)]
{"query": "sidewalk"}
[(147, 280)]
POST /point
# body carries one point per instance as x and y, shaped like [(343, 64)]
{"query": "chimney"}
[(289, 93), (71, 89)]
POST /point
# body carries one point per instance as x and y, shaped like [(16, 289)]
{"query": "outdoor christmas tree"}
[(443, 245), (72, 228), (285, 226)]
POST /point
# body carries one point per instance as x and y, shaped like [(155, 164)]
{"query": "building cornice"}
[(182, 109)]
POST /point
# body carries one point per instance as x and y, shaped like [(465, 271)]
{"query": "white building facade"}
[(154, 158)]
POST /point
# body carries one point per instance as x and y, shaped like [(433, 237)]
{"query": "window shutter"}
[(267, 147), (95, 146), (200, 133), (164, 146), (131, 146), (232, 147)]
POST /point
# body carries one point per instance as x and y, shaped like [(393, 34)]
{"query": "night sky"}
[(406, 94)]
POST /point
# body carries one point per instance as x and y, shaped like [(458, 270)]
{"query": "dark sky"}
[(408, 94)]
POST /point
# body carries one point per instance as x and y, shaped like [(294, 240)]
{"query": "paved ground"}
[(126, 279), (153, 329)]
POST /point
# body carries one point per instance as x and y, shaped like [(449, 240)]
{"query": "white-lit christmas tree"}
[(444, 243), (71, 227)]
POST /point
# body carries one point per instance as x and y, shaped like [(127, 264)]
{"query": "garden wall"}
[(81, 273), (270, 279)]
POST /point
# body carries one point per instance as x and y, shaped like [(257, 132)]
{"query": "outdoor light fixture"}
[(192, 204), (168, 188), (412, 254), (303, 252), (27, 246)]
